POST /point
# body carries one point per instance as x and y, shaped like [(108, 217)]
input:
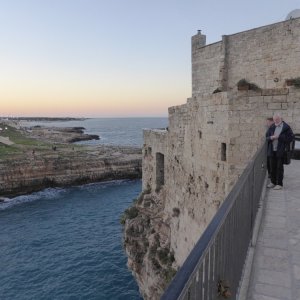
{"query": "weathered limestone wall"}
[(248, 111), (198, 176), (194, 169), (265, 56), (206, 65), (155, 141)]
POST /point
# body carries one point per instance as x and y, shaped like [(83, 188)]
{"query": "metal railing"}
[(213, 270)]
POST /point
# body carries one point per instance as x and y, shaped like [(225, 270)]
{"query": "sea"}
[(112, 131), (66, 243)]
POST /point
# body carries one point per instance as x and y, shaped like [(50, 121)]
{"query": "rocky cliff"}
[(42, 168), (147, 243)]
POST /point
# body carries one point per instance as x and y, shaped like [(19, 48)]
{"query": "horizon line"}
[(81, 117)]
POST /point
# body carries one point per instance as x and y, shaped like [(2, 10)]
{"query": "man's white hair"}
[(278, 115)]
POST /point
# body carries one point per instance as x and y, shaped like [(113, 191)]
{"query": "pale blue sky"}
[(111, 58)]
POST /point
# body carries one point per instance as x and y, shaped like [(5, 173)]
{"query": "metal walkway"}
[(276, 265)]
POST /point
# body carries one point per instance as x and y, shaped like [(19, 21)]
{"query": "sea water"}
[(67, 243), (112, 131)]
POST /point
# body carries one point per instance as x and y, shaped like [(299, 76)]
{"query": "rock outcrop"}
[(60, 134), (147, 244), (47, 168)]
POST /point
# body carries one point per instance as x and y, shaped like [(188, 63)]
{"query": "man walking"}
[(279, 136)]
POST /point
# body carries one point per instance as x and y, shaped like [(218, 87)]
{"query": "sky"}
[(111, 58)]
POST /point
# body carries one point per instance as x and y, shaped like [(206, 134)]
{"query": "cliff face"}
[(41, 169), (147, 244)]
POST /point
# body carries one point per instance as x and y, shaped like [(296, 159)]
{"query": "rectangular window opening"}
[(223, 152), (160, 170)]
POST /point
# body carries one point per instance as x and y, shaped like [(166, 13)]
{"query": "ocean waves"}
[(67, 244), (49, 193)]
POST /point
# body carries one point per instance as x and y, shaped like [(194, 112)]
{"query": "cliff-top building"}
[(189, 168)]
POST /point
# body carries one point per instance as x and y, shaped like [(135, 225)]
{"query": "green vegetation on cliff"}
[(23, 144)]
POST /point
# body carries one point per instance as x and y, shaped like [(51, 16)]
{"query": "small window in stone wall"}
[(223, 151), (200, 134), (148, 151), (160, 170)]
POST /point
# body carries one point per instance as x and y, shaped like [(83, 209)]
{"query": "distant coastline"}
[(42, 119)]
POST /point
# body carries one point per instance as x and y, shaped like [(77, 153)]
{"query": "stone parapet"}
[(266, 56)]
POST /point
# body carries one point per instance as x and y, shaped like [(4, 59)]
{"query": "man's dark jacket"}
[(285, 138)]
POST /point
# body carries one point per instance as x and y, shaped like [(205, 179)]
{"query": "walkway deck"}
[(276, 264)]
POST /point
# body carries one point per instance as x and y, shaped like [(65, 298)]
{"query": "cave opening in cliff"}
[(160, 170)]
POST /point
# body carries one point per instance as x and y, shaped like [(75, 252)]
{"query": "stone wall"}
[(155, 141), (194, 169), (209, 141), (248, 112), (266, 56), (206, 65)]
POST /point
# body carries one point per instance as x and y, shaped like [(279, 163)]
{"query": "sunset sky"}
[(111, 58)]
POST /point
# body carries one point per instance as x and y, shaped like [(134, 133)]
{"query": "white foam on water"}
[(51, 193), (46, 194)]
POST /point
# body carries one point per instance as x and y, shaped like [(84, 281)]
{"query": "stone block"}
[(254, 93), (281, 98), (274, 106), (268, 99), (256, 99), (275, 91), (267, 92)]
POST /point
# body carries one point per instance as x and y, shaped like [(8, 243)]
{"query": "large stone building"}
[(190, 167)]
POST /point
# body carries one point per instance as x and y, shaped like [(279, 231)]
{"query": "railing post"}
[(252, 197)]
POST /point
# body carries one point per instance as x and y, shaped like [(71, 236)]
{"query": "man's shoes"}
[(277, 187), (270, 185)]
